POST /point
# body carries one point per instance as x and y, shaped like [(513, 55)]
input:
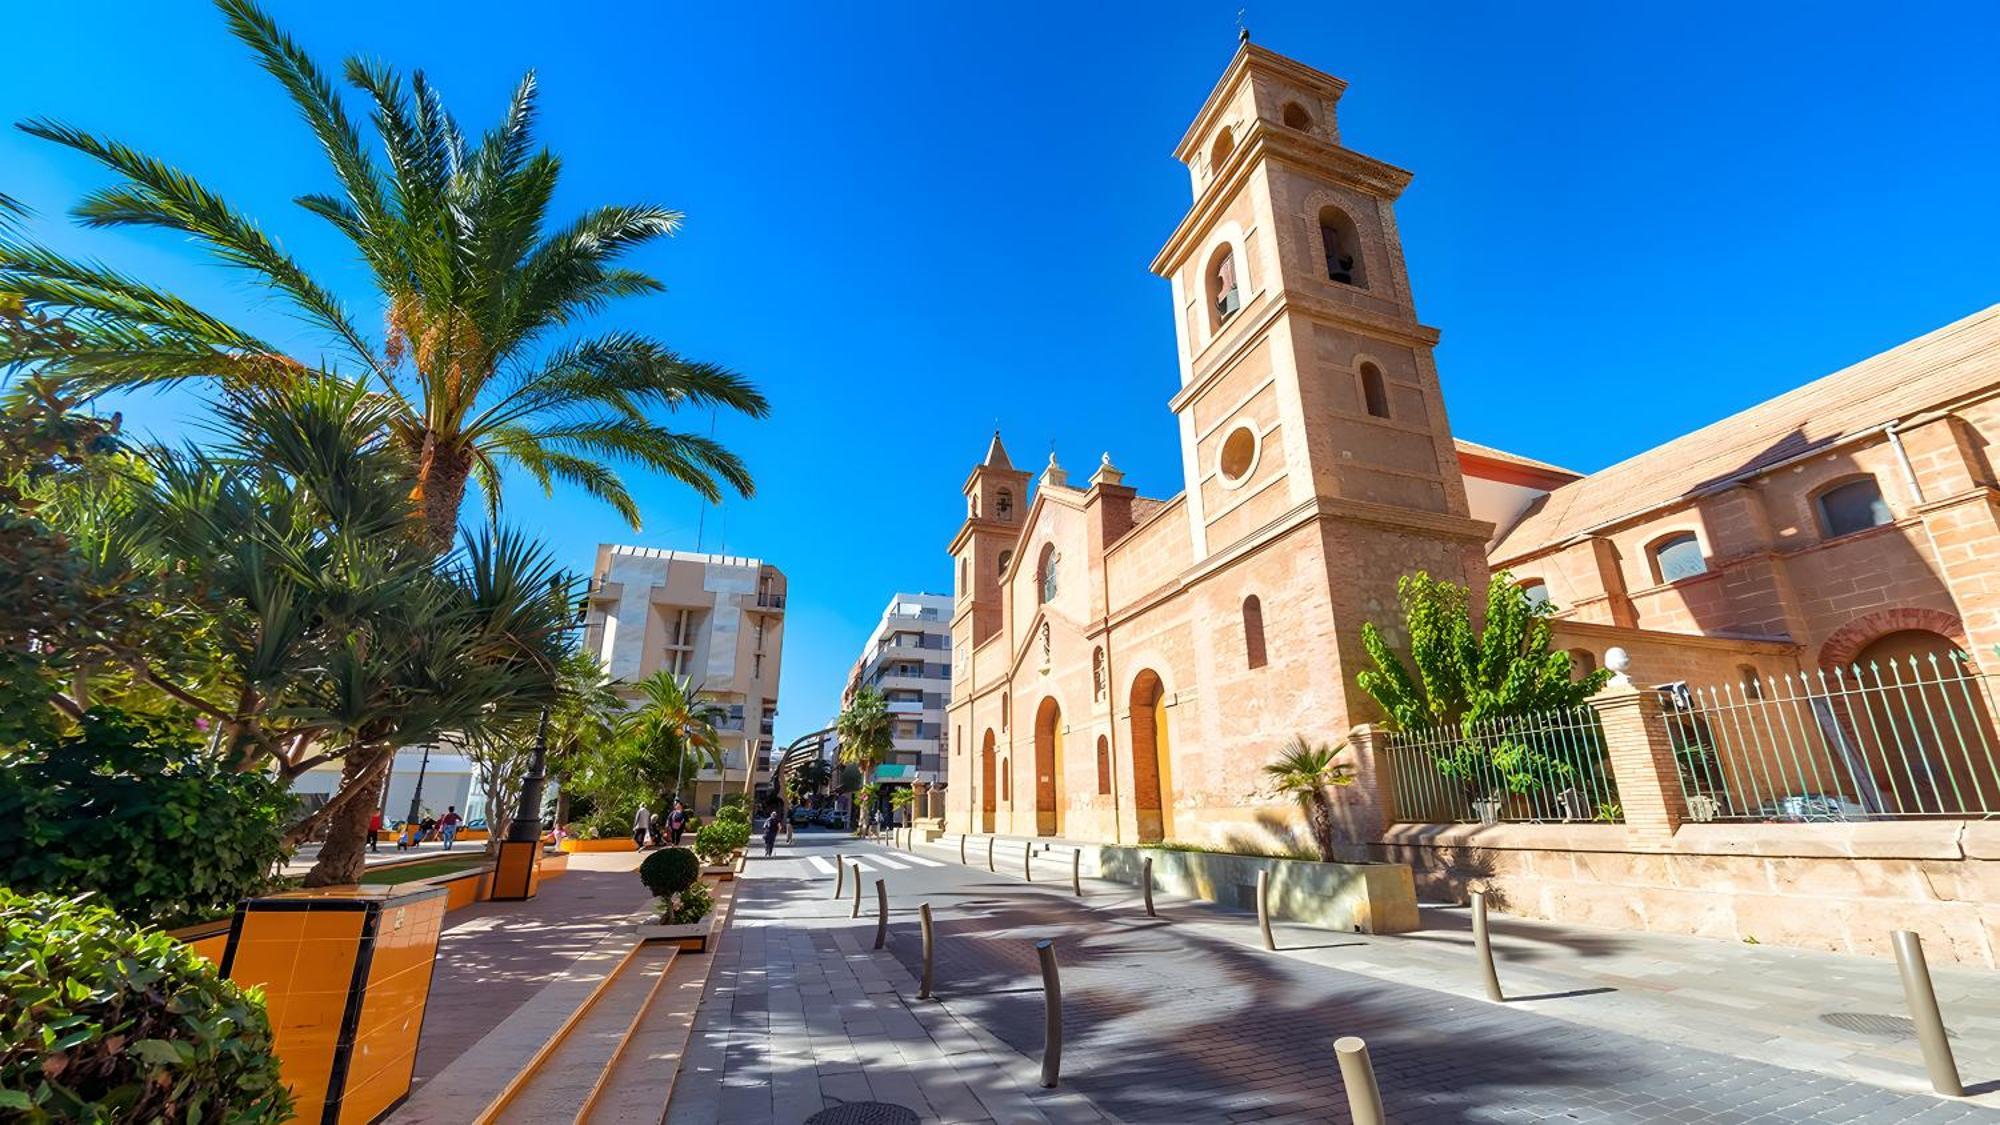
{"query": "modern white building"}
[(908, 657), (437, 777), (718, 622)]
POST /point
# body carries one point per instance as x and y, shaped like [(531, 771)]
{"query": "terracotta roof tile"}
[(1959, 359)]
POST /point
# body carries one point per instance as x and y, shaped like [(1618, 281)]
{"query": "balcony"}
[(906, 706), (767, 600)]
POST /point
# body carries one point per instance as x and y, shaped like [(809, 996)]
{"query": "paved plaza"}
[(1185, 1017)]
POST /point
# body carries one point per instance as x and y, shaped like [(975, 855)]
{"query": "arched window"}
[(1342, 245), (1006, 781), (1753, 684), (958, 744), (1855, 506), (1296, 117), (1003, 712), (1003, 504), (1005, 558), (1677, 556), (1097, 673), (1374, 391), (1103, 765), (1225, 143), (1048, 646), (1536, 591), (1582, 662), (1224, 297), (1045, 573), (963, 586), (1253, 631)]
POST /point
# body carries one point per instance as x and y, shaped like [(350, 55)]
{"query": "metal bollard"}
[(1076, 872), (839, 874), (881, 914), (990, 841), (924, 919), (1146, 881), (961, 849), (1264, 908), (1484, 945), (1917, 992), (1364, 1098), (1027, 861), (1052, 1015), (857, 891)]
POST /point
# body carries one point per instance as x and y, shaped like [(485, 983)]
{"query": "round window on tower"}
[(1238, 456)]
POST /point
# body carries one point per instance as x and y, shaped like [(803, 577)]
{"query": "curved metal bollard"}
[(857, 891), (881, 914), (1076, 871), (1484, 945), (1146, 881), (990, 842), (1364, 1098), (924, 920), (1931, 1036), (1052, 1013), (839, 874), (1264, 908), (961, 849), (1028, 860)]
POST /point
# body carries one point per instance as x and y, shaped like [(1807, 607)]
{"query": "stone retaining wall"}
[(1370, 898)]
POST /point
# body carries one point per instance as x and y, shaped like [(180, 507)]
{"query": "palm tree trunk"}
[(440, 493), (345, 852)]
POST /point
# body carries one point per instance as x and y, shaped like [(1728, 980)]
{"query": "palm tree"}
[(674, 718), (477, 295), (865, 739), (1305, 772)]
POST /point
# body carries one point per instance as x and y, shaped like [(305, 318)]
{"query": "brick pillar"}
[(1642, 758), (1965, 534), (1367, 805)]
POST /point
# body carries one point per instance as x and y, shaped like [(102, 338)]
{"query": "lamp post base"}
[(516, 873)]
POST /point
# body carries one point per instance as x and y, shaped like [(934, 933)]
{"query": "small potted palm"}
[(682, 904)]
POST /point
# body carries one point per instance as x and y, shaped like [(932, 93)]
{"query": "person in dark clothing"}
[(677, 821), (771, 832)]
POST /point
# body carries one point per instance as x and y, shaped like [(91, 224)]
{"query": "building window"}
[(757, 666), (1004, 504), (1103, 765), (1582, 662), (1296, 117), (1374, 391), (958, 744), (1048, 645), (1238, 455), (1223, 296), (1253, 631), (1342, 246), (1006, 781), (1003, 712), (1678, 557), (964, 587), (1753, 686), (1005, 558), (1225, 143), (1855, 506), (1097, 673), (1536, 591), (1045, 574)]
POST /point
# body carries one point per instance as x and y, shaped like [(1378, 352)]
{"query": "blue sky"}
[(910, 222)]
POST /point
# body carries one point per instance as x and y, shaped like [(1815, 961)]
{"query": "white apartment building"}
[(718, 621), (908, 657)]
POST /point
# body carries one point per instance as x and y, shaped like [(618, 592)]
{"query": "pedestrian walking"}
[(771, 832), (641, 824), (677, 822), (448, 825), (655, 828), (427, 828), (375, 831)]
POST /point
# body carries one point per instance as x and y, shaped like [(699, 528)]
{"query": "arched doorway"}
[(989, 797), (1932, 736), (1152, 760), (1048, 769)]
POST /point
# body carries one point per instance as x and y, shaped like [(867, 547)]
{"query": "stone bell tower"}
[(1308, 388), (996, 501)]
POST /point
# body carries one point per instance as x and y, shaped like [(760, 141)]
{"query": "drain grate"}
[(1871, 1023), (864, 1113)]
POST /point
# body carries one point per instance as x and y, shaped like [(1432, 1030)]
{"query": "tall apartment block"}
[(717, 622), (908, 657)]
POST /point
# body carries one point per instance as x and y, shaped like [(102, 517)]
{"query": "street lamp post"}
[(417, 797), (527, 825), (514, 874)]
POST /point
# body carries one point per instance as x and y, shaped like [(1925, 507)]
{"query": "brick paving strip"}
[(1182, 1018)]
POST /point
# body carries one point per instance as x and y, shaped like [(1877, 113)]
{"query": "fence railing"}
[(1910, 737), (1548, 766)]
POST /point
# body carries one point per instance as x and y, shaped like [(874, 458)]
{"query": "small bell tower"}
[(996, 501)]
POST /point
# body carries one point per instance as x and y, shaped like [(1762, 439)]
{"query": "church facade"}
[(1125, 666)]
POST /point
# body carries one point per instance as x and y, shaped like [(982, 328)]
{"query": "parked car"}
[(830, 818), (802, 816), (1812, 806)]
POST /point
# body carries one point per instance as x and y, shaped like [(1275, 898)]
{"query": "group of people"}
[(415, 832), (650, 830)]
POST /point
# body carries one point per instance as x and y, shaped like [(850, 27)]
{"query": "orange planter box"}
[(620, 844)]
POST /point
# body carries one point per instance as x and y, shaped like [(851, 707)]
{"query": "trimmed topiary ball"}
[(102, 1021), (669, 871)]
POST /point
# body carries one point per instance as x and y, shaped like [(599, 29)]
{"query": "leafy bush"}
[(606, 824), (670, 871), (689, 906), (132, 810), (101, 1021), (715, 841), (733, 809)]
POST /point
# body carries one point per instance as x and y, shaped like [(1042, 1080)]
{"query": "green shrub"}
[(687, 907), (101, 1021), (715, 841), (670, 871), (134, 811), (606, 824), (733, 809)]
